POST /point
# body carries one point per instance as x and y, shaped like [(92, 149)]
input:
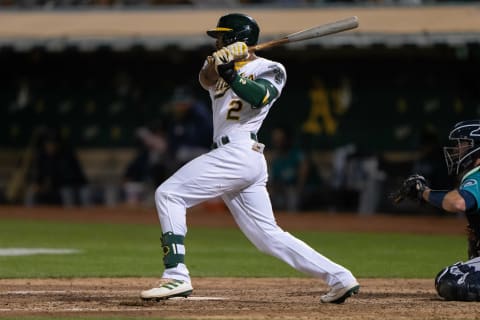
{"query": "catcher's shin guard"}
[(173, 249), (458, 282)]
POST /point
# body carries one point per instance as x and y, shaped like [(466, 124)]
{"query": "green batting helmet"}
[(235, 27)]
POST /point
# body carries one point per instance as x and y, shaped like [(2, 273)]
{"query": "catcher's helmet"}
[(462, 156), (235, 27)]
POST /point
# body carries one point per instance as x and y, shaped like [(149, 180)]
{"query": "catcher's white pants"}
[(238, 174)]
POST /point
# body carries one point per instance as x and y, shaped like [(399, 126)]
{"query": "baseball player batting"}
[(460, 281), (243, 88)]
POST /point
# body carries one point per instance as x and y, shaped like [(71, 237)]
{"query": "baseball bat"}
[(310, 33)]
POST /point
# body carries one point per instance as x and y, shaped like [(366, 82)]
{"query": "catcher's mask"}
[(235, 27), (462, 156)]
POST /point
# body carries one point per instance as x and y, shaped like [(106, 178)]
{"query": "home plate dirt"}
[(236, 298), (233, 298)]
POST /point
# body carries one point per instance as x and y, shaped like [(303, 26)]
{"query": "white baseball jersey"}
[(236, 171), (232, 114)]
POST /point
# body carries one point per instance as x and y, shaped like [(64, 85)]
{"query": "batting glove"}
[(239, 50), (222, 56)]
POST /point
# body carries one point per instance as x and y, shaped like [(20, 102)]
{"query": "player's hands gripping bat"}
[(222, 56), (412, 188), (234, 51), (239, 50), (225, 59)]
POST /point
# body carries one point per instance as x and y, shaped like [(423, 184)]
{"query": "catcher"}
[(460, 281)]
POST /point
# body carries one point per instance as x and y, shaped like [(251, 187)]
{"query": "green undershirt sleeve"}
[(258, 93)]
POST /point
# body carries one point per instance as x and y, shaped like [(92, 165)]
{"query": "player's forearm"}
[(257, 94), (208, 76), (451, 201), (454, 202)]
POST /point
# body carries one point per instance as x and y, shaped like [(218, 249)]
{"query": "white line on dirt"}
[(126, 293), (199, 298), (71, 309), (25, 292)]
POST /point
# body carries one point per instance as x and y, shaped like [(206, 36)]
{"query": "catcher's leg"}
[(473, 244), (473, 233), (252, 211), (460, 281)]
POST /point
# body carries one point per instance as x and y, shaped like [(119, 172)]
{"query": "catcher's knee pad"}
[(173, 249), (458, 282)]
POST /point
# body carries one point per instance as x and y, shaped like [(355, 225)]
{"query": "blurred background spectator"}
[(150, 165), (288, 170), (189, 126), (55, 176), (430, 160), (182, 132)]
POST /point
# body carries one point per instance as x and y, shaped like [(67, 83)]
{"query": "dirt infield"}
[(235, 298), (232, 298)]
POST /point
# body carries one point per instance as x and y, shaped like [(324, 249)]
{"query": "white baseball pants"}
[(238, 174)]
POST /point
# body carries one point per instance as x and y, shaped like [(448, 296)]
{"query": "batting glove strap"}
[(227, 71)]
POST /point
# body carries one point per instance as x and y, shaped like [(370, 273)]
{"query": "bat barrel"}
[(315, 32), (325, 29)]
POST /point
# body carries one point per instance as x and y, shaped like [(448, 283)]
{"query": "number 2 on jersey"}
[(233, 109)]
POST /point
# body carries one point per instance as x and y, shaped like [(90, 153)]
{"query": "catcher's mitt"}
[(412, 188)]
